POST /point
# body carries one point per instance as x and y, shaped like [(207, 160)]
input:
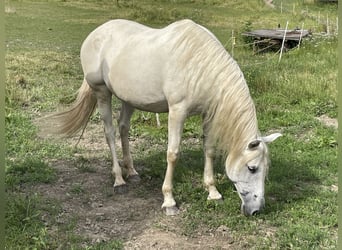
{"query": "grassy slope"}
[(301, 206)]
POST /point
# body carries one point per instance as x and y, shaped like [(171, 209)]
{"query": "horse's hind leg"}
[(124, 125), (104, 101)]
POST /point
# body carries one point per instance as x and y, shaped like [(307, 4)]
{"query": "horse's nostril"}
[(255, 212)]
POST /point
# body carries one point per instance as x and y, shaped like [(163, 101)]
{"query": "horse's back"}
[(138, 63), (117, 36)]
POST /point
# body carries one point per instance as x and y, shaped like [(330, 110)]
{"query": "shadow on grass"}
[(289, 180)]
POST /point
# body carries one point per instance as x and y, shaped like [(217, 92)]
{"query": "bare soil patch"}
[(135, 218), (327, 121)]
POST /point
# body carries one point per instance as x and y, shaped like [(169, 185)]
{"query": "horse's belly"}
[(138, 82), (145, 103), (143, 95), (157, 107)]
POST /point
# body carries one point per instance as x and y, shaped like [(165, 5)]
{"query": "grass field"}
[(50, 184)]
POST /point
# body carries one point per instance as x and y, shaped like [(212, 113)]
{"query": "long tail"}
[(70, 121)]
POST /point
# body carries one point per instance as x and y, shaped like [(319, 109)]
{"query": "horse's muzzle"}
[(252, 208)]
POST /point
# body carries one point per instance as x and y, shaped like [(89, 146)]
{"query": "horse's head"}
[(248, 171)]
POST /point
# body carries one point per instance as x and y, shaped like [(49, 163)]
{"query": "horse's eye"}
[(252, 169)]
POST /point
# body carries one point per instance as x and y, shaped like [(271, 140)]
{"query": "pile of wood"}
[(272, 38)]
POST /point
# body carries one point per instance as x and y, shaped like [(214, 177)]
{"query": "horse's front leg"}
[(177, 116), (208, 176)]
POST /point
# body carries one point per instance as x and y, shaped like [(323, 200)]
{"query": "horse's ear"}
[(267, 139), (254, 144), (270, 138)]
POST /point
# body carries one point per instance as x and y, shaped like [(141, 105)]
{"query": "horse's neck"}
[(233, 118)]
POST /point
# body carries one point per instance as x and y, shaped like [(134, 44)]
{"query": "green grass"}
[(43, 72)]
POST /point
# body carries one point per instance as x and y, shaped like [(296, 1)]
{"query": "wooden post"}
[(281, 7), (328, 28), (301, 35), (233, 42), (158, 121), (293, 9), (282, 45)]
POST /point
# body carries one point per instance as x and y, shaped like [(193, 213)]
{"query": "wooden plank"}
[(293, 35)]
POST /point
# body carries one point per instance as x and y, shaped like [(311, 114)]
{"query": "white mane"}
[(228, 108)]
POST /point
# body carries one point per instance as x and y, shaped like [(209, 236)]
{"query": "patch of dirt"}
[(154, 238), (100, 215), (327, 121)]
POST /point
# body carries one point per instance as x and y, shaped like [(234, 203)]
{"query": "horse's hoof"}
[(121, 189), (134, 179), (171, 211)]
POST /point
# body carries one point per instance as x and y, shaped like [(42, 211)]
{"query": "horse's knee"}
[(123, 128), (172, 156), (109, 131), (210, 153)]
